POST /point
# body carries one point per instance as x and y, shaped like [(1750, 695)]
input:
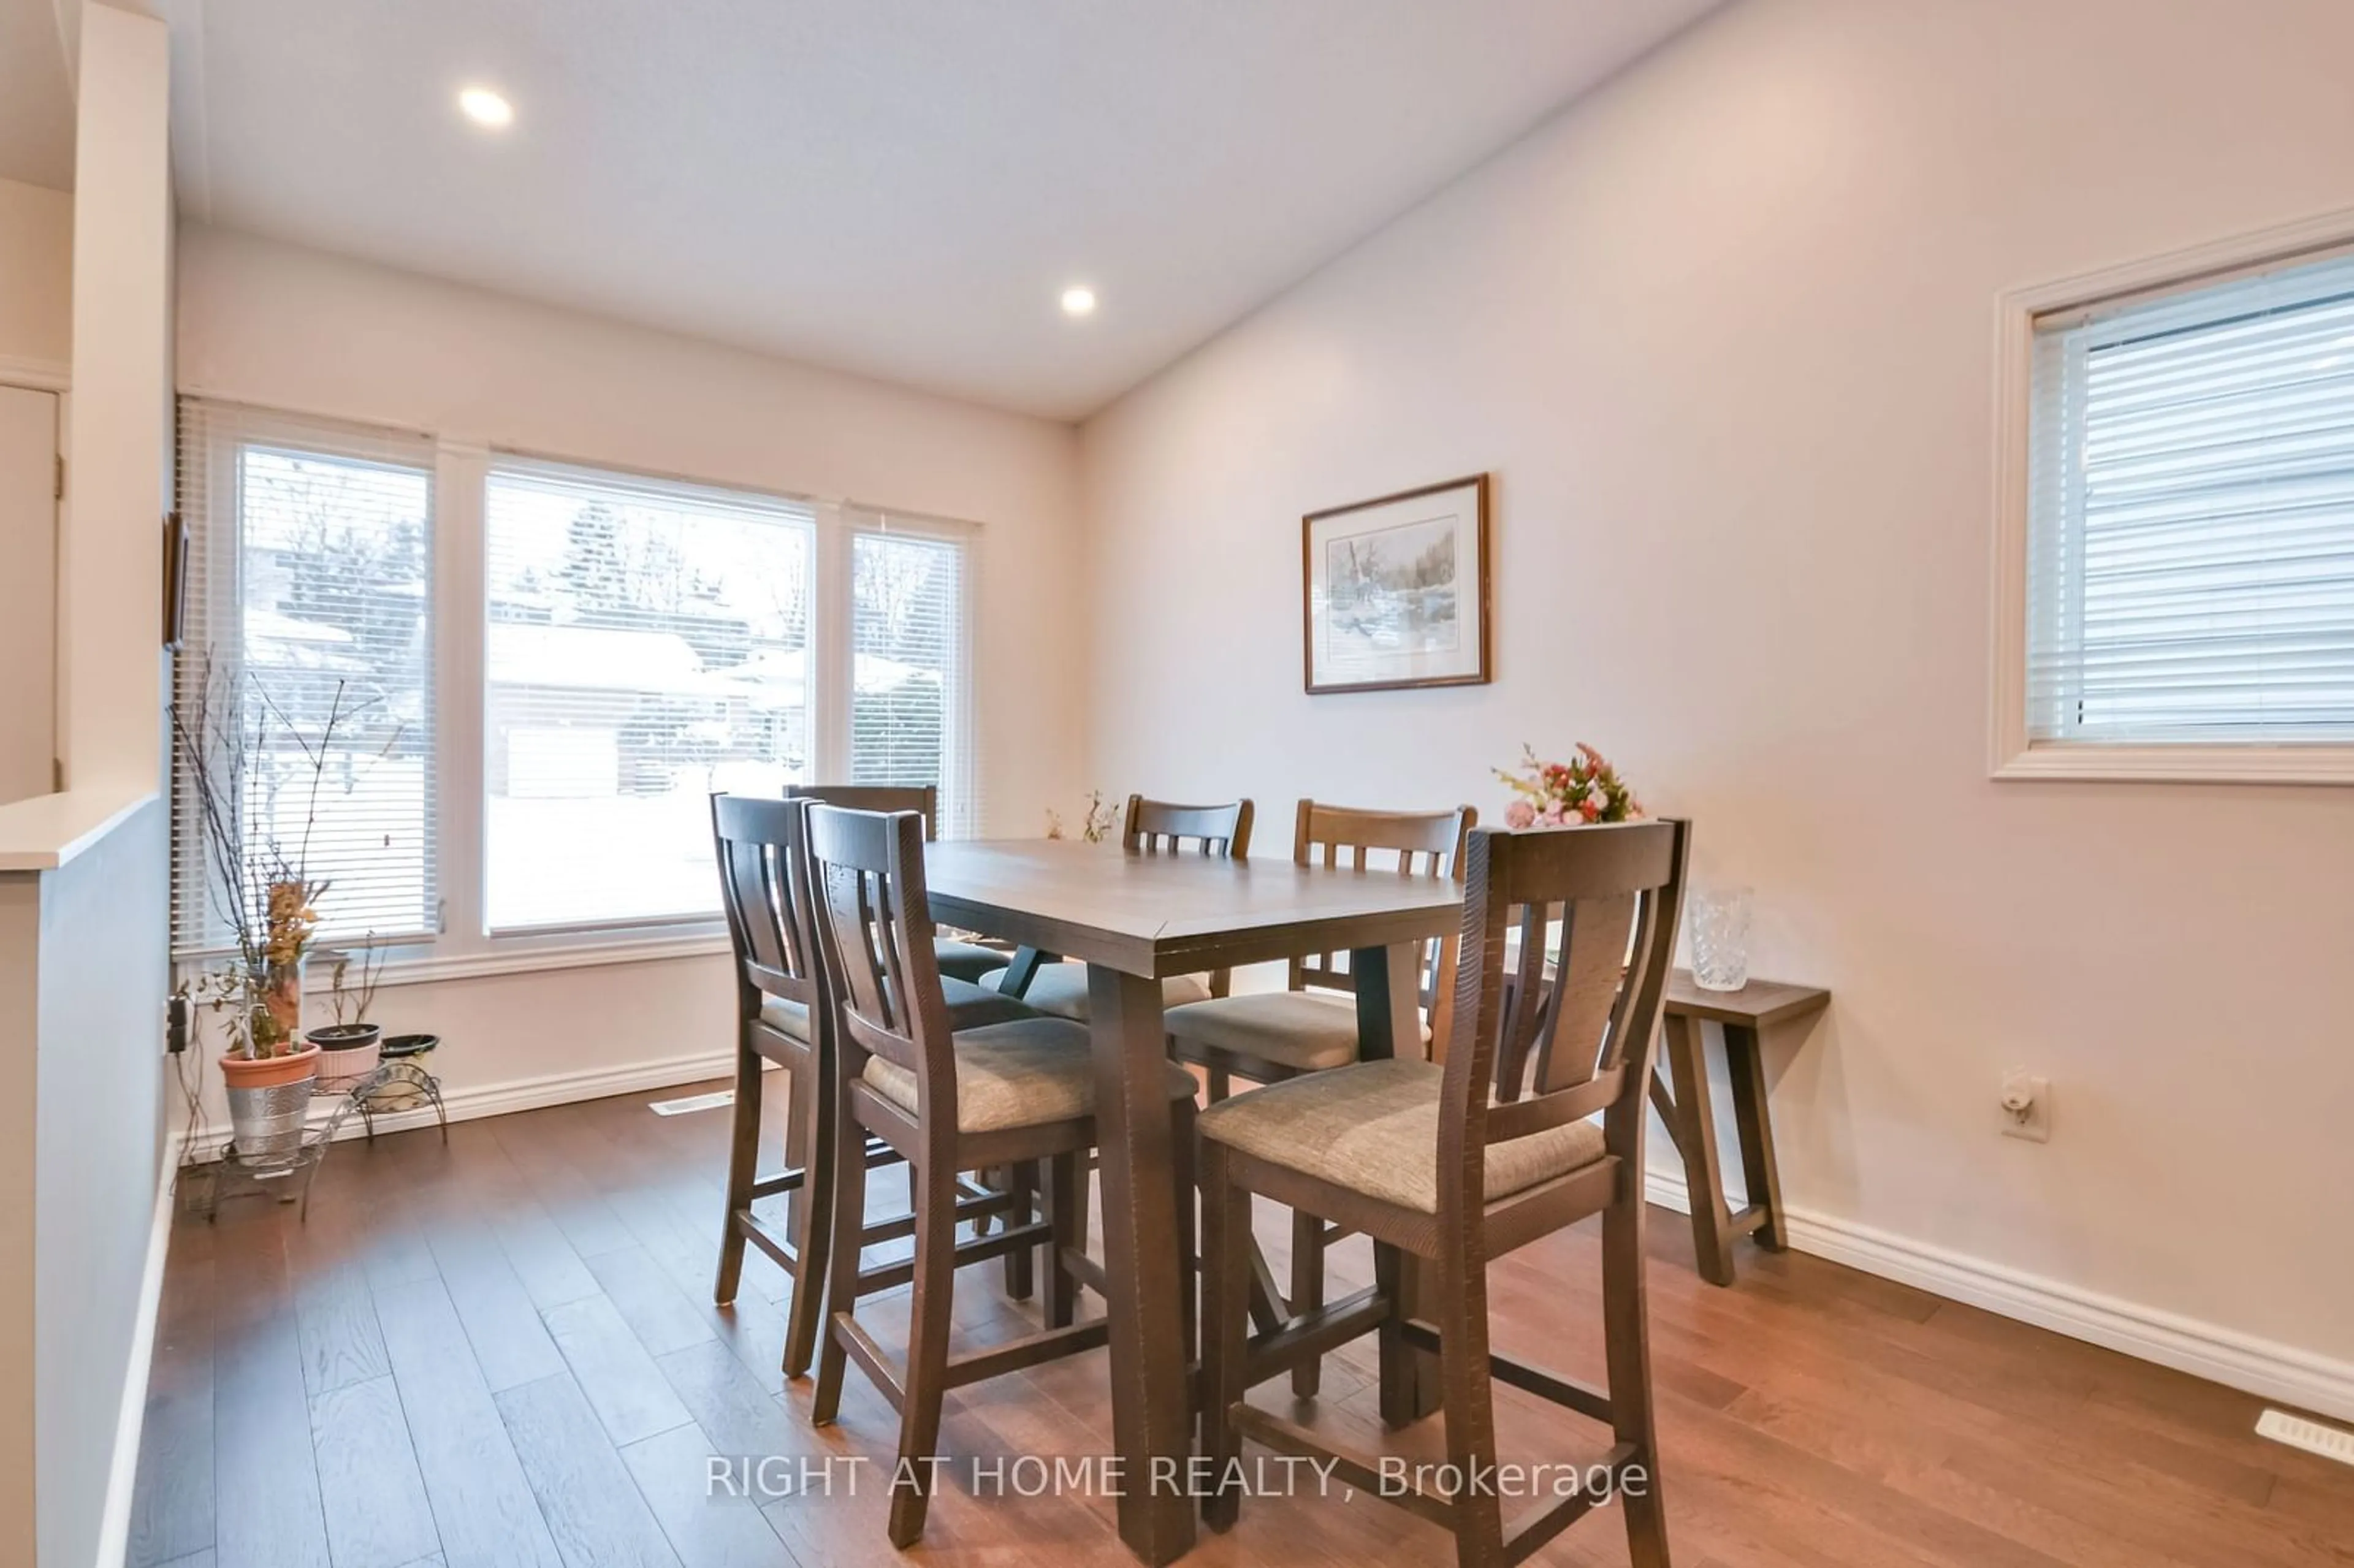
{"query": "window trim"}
[(2012, 754), (466, 948)]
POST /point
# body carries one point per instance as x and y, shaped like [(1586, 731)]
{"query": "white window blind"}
[(2191, 554), (308, 642), (911, 715), (648, 642)]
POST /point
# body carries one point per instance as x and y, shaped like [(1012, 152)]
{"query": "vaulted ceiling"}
[(901, 188)]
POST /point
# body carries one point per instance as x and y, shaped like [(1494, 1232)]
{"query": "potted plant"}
[(349, 1046), (239, 750), (1102, 820)]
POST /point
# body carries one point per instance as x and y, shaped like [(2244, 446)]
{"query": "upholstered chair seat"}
[(970, 1007), (1062, 989), (1024, 1073), (1373, 1129), (966, 960), (1305, 1031)]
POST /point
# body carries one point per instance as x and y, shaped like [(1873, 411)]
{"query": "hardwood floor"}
[(504, 1352)]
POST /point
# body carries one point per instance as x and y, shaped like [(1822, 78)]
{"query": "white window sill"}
[(2188, 763), (427, 967)]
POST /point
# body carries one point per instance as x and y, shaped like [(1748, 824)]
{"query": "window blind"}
[(911, 714), (306, 668), (2191, 514), (647, 643)]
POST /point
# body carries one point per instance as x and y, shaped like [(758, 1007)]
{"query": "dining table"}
[(1136, 919)]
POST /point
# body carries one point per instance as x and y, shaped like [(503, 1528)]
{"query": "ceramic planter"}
[(348, 1052)]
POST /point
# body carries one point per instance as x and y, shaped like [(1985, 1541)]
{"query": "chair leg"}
[(1066, 1185), (1626, 1349), (1307, 1292), (1391, 1268), (927, 1352), (802, 1091), (742, 1167), (1226, 1324), (1470, 1412), (1185, 1156), (817, 1120), (844, 1257), (1022, 1187)]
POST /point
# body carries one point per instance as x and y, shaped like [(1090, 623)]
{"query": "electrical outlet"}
[(2026, 1105)]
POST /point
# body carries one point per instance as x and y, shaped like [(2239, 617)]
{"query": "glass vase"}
[(277, 1011), (1720, 938)]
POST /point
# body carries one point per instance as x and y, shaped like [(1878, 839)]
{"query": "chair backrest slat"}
[(875, 929), (1585, 1020), (764, 892), (923, 799), (1425, 843), (1164, 827)]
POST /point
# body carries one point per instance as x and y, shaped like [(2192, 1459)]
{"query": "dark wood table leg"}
[(1022, 971), (1695, 1138), (1760, 1178), (1388, 1024), (1152, 1425)]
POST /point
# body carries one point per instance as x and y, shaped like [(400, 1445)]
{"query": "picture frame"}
[(1394, 591)]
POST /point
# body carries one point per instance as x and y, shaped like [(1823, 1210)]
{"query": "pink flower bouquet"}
[(1585, 788)]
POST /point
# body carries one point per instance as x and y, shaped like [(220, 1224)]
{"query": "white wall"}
[(1723, 333), (118, 479), (288, 328), (35, 281), (102, 975)]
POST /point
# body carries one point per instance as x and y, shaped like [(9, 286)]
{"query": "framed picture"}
[(1396, 590)]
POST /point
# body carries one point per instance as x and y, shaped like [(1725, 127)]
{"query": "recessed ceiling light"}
[(1078, 302), (487, 108)]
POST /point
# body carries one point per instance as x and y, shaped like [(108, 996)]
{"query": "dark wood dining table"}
[(1135, 920)]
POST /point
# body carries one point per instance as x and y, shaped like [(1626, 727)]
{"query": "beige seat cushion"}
[(1062, 989), (966, 961), (1305, 1031), (974, 1006), (1373, 1129), (1024, 1073), (786, 1016), (970, 1007)]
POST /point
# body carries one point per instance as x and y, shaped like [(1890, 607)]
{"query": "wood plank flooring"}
[(502, 1353)]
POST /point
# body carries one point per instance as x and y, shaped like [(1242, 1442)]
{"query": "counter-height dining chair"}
[(1422, 1158), (1150, 827), (782, 1015), (1265, 1037), (947, 1100), (960, 960)]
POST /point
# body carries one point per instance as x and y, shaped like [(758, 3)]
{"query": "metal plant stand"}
[(284, 1174), (401, 1086), (396, 1086)]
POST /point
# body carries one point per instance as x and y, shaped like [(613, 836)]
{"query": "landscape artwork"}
[(1396, 590)]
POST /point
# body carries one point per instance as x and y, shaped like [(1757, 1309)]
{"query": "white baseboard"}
[(2257, 1366), (493, 1100), (131, 1418)]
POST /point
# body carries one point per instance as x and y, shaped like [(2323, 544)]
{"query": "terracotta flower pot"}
[(269, 1072), (268, 1099)]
